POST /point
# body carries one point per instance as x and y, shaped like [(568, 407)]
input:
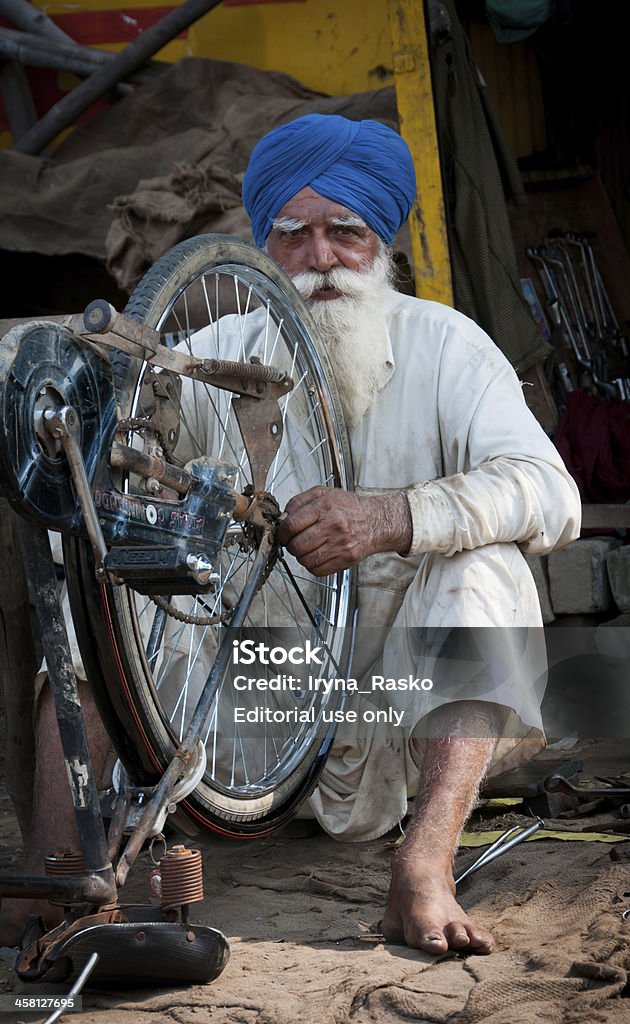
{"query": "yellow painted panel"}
[(336, 47), (417, 123), (331, 46)]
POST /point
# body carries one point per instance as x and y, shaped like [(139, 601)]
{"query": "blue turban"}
[(362, 165)]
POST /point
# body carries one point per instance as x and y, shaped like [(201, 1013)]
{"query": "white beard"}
[(353, 329)]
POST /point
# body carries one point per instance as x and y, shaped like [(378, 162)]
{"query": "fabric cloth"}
[(513, 20), (593, 437), (363, 165)]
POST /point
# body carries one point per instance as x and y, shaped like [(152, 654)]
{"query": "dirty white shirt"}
[(484, 482)]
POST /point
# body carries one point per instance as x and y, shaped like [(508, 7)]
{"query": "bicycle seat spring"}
[(181, 872)]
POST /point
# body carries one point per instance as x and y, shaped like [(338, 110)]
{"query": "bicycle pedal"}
[(140, 953)]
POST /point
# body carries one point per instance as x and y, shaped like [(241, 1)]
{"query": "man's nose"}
[(322, 255)]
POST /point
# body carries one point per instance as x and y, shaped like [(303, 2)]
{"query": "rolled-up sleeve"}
[(513, 485)]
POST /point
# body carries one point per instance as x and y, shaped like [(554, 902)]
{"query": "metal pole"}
[(42, 582), (29, 18), (39, 52), (68, 109), (17, 98)]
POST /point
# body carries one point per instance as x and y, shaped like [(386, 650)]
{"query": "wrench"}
[(558, 784)]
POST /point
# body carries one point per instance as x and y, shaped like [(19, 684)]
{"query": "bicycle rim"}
[(219, 298)]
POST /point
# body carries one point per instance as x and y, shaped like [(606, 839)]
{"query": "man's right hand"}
[(329, 529)]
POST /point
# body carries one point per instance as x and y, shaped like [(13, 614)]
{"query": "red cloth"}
[(593, 438)]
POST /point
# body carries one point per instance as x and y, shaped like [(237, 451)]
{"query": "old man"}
[(455, 480)]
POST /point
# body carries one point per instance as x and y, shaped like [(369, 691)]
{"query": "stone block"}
[(578, 578), (538, 568), (618, 565)]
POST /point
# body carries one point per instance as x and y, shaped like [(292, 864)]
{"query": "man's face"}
[(312, 233)]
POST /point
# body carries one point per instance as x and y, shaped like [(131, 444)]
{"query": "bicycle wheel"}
[(217, 297)]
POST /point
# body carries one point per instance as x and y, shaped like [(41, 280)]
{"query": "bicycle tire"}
[(113, 644)]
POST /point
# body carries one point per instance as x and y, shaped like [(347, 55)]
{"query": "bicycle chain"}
[(192, 620)]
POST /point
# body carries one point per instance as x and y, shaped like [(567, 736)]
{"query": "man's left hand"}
[(329, 529)]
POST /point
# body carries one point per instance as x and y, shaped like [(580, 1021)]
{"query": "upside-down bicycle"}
[(163, 443)]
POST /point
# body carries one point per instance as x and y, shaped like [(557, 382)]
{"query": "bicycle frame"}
[(204, 498)]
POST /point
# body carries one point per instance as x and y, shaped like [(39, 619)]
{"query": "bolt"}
[(190, 936), (140, 937)]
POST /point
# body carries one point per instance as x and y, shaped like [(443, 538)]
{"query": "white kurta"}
[(484, 483)]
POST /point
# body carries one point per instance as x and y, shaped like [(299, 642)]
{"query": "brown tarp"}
[(166, 163), (176, 147)]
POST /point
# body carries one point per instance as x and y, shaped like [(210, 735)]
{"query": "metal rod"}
[(150, 467), (65, 889), (509, 839), (17, 98), (39, 52), (29, 18), (62, 424), (76, 988), (42, 582), (75, 103)]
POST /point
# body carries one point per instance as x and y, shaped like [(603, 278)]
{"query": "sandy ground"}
[(295, 907)]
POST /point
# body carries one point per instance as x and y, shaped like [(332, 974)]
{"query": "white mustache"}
[(353, 284)]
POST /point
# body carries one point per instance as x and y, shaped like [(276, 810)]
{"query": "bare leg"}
[(421, 906), (54, 827)]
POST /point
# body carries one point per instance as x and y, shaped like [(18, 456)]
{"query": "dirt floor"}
[(297, 910)]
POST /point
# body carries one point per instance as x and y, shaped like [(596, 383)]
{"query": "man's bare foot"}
[(422, 912)]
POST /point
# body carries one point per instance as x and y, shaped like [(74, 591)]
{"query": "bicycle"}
[(163, 443)]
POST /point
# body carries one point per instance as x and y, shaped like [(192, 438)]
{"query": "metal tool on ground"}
[(515, 835), (557, 784), (76, 988)]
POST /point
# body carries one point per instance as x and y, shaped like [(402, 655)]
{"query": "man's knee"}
[(489, 586)]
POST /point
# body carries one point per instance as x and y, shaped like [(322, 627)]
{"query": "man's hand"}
[(328, 529)]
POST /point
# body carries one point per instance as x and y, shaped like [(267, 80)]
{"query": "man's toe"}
[(431, 940), (457, 935), (481, 941)]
